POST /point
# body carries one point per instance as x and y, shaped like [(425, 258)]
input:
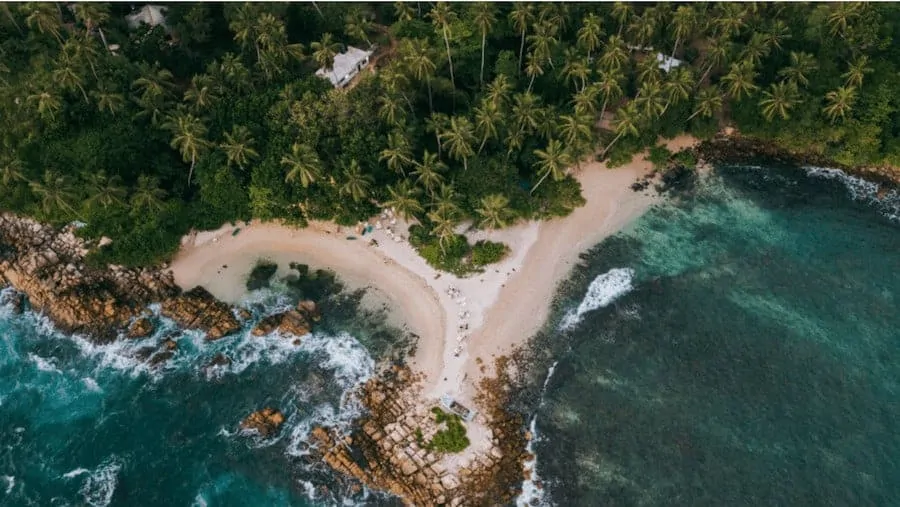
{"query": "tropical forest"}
[(204, 113)]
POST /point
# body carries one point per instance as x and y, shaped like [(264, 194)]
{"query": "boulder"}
[(310, 310), (140, 328), (266, 421), (160, 357), (198, 309), (291, 322), (219, 359)]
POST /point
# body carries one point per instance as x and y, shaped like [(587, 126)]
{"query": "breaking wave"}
[(886, 201), (605, 289), (100, 485)]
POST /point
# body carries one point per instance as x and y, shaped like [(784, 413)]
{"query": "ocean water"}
[(738, 346), (82, 424)]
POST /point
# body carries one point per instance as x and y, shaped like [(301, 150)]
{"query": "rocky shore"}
[(388, 449), (48, 266)]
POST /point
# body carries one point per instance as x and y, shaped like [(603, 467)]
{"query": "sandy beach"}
[(487, 315)]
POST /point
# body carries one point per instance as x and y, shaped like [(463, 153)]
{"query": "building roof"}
[(667, 63), (344, 64), (151, 15)]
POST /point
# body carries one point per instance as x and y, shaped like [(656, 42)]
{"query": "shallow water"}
[(755, 359), (82, 424)]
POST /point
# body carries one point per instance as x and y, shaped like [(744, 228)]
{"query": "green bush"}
[(450, 439), (659, 156), (488, 252), (686, 158)]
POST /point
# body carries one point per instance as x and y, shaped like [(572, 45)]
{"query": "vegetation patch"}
[(452, 438), (261, 275), (455, 254), (488, 252)]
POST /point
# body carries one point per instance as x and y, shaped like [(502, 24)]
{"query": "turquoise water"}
[(739, 347), (93, 425)]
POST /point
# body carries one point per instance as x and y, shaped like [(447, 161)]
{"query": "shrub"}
[(450, 439), (488, 252), (686, 158), (659, 156)]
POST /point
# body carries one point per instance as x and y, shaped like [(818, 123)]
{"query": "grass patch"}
[(450, 439)]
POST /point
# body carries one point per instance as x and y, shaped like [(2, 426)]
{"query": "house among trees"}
[(346, 66), (150, 15)]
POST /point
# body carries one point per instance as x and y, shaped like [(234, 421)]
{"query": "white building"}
[(346, 66), (667, 63), (151, 15)]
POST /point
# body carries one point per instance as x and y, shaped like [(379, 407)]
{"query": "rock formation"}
[(385, 452), (266, 421), (297, 322), (48, 266)]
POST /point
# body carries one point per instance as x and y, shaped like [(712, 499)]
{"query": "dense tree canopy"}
[(476, 111)]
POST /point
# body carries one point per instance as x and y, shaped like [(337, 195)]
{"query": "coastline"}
[(541, 255)]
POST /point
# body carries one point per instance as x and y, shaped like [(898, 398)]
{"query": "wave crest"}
[(887, 202), (605, 289)]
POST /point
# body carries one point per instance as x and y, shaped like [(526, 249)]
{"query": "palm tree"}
[(575, 131), (524, 111), (625, 123), (542, 43), (55, 191), (802, 65), (356, 184), (484, 20), (244, 25), (234, 71), (79, 50), (47, 103), (428, 171), (515, 138), (403, 11), (188, 137), (650, 100), (404, 199), (553, 161), (358, 25), (108, 100), (717, 52), (92, 15), (576, 68), (422, 66), (521, 15), (779, 100), (69, 80), (730, 19), (498, 90), (391, 109), (777, 32), (585, 101), (614, 54), (487, 120), (494, 211), (857, 71), (238, 146), (678, 86), (200, 94), (105, 190), (443, 226), (10, 171), (739, 80), (683, 22), (11, 17), (621, 12), (842, 14), (839, 102), (303, 164), (533, 69), (323, 52), (398, 154), (147, 195), (608, 83), (436, 123), (459, 139), (648, 71), (154, 81), (444, 201), (43, 17), (709, 102), (442, 16), (590, 32), (756, 49), (643, 28)]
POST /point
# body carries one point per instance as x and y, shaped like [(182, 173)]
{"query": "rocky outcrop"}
[(198, 309), (388, 450), (48, 265), (266, 421), (141, 328), (297, 322)]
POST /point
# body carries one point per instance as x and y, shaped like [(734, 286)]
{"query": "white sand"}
[(504, 306)]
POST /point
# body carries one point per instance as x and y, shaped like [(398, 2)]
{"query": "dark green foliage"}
[(659, 156), (488, 252), (450, 439)]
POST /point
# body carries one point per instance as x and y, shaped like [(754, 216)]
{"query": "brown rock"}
[(288, 323), (310, 310), (170, 344), (220, 359), (266, 421), (408, 467), (198, 309)]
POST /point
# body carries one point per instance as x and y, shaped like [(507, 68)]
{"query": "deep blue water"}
[(740, 346)]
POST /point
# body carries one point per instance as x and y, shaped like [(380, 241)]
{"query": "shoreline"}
[(429, 303)]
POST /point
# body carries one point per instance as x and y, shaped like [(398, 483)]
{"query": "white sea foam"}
[(91, 385), (862, 190), (605, 289), (100, 485), (75, 473), (43, 364), (10, 483), (532, 495)]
